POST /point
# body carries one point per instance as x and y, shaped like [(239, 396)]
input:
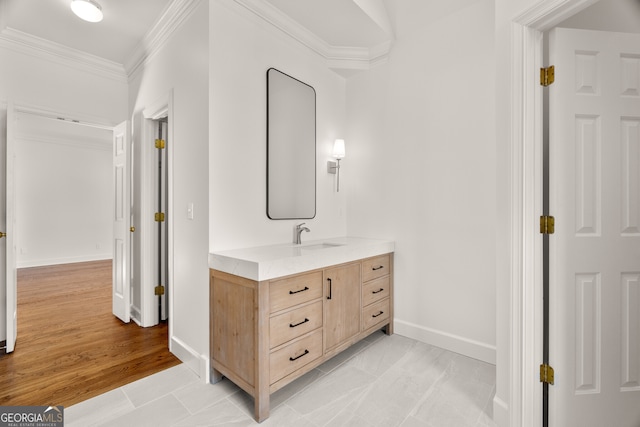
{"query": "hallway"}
[(70, 347)]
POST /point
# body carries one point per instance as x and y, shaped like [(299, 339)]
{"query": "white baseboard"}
[(196, 362), (500, 412), (64, 260), (457, 344)]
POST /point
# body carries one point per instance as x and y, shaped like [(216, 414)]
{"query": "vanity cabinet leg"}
[(216, 376), (388, 329), (261, 406), (262, 358)]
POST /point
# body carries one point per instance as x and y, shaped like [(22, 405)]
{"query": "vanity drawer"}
[(292, 324), (375, 313), (295, 355), (285, 293), (375, 290), (373, 268)]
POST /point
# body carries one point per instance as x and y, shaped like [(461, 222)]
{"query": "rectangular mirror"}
[(291, 147)]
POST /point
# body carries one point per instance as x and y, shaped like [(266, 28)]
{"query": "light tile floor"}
[(381, 381)]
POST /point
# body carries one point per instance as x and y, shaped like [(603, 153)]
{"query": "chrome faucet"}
[(299, 229)]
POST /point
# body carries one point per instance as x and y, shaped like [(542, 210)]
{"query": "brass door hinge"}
[(160, 144), (546, 374), (547, 75), (159, 216), (547, 224), (159, 290)]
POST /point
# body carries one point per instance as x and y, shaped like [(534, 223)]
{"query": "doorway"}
[(63, 190), (161, 237), (526, 203), (78, 221), (152, 212)]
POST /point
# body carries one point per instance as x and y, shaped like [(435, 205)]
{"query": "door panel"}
[(11, 279), (122, 223), (342, 304), (595, 251)]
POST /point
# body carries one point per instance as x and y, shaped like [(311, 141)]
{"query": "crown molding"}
[(350, 58), (44, 49), (172, 18)]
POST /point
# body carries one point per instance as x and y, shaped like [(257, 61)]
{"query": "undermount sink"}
[(320, 246)]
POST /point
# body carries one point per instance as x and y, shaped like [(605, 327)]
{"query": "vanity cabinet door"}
[(342, 304)]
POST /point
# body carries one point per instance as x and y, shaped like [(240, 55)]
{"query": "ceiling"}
[(337, 23), (124, 25), (608, 15)]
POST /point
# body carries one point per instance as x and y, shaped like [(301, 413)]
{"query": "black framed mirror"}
[(291, 147)]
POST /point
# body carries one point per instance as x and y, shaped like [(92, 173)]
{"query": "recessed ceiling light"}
[(89, 10)]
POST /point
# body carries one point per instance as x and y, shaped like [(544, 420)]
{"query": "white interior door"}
[(122, 222), (10, 236), (595, 251)]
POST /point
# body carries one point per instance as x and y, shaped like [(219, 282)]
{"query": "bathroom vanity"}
[(277, 312)]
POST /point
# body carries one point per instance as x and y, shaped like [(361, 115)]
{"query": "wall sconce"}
[(338, 153)]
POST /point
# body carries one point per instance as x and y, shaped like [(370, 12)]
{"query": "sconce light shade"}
[(89, 10), (338, 149), (334, 167)]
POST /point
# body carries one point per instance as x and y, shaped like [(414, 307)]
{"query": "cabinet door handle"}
[(292, 325), (376, 315), (329, 296), (378, 291), (378, 267), (298, 357), (306, 288)]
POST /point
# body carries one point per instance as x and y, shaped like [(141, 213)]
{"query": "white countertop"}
[(268, 262)]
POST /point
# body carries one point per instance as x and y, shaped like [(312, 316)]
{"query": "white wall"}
[(64, 196), (181, 67), (422, 162), (243, 47), (30, 78)]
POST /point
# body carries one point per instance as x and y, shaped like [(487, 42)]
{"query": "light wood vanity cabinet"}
[(376, 292), (265, 334), (341, 305)]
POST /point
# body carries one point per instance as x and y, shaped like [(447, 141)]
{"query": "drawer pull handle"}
[(379, 314), (378, 291), (378, 267), (298, 357), (291, 325), (306, 288), (329, 296)]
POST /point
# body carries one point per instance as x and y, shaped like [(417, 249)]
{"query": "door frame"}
[(159, 109), (30, 109), (525, 203)]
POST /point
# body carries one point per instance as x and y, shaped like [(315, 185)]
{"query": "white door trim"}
[(159, 109), (10, 279), (525, 198)]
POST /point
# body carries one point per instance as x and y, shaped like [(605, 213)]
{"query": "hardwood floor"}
[(70, 347)]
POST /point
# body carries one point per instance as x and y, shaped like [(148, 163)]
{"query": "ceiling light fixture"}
[(89, 10)]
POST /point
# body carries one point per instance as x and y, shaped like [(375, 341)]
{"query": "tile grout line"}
[(427, 394)]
